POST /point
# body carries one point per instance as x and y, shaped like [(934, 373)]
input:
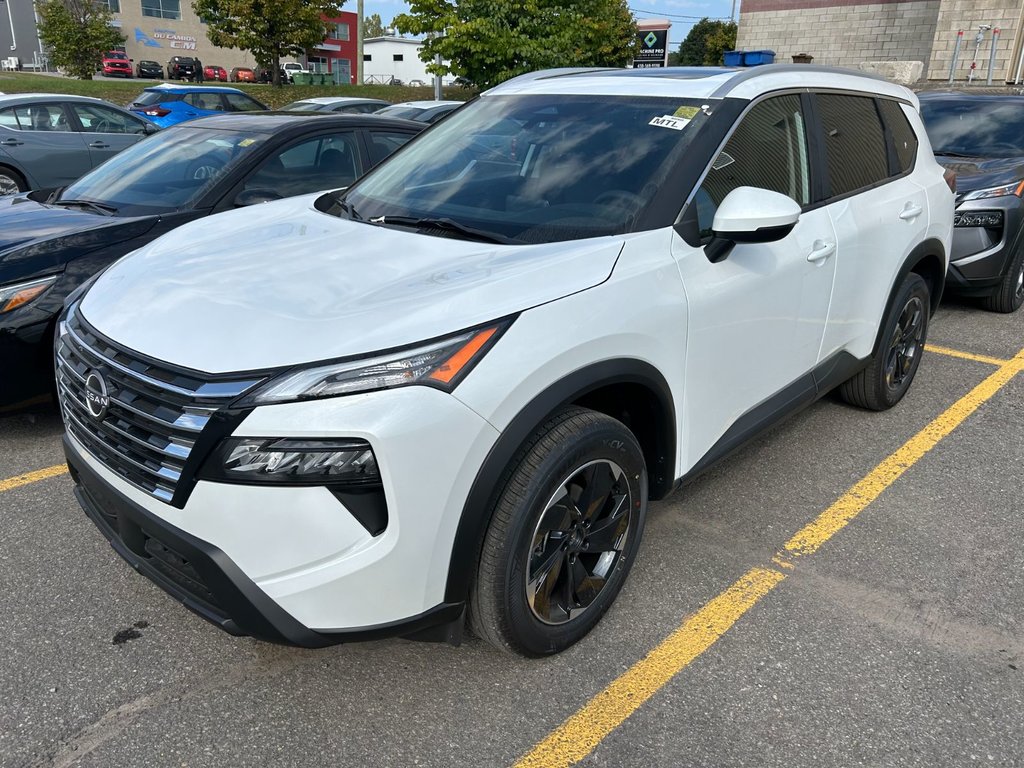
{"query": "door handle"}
[(821, 251), (99, 145), (911, 212), (12, 142)]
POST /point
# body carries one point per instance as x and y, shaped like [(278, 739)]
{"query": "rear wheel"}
[(892, 368), (11, 182), (1009, 296), (563, 535)]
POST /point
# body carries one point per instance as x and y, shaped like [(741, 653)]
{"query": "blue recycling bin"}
[(733, 58), (755, 58)]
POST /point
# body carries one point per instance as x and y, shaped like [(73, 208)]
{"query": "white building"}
[(395, 58)]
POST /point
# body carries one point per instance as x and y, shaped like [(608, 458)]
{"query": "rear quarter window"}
[(902, 133)]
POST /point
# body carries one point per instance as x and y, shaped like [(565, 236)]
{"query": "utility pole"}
[(359, 44)]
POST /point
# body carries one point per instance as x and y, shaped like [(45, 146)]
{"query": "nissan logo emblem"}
[(96, 398)]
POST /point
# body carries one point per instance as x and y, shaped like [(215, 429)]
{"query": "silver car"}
[(49, 140)]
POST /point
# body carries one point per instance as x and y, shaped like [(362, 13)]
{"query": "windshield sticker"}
[(688, 112), (246, 142), (668, 121)]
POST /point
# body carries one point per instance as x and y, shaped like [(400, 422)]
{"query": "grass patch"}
[(122, 92)]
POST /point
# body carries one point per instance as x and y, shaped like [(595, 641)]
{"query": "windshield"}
[(399, 111), (165, 172), (977, 128), (302, 106), (537, 168)]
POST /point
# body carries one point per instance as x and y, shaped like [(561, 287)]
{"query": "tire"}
[(11, 182), (1009, 296), (577, 559), (892, 368)]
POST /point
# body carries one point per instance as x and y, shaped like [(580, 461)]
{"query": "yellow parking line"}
[(32, 477), (965, 355), (577, 737)]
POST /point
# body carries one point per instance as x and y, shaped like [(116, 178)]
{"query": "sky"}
[(682, 13)]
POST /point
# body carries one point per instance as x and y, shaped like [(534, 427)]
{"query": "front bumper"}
[(291, 564), (980, 257)]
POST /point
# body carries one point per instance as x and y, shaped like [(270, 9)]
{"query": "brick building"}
[(848, 32)]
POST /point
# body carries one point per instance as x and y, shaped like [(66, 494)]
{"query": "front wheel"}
[(563, 536), (1009, 296), (892, 368)]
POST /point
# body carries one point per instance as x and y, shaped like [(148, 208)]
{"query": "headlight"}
[(293, 461), (1004, 191), (20, 294), (439, 364)]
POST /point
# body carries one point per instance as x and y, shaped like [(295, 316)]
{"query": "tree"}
[(268, 29), (706, 42), (77, 34), (373, 26), (489, 41)]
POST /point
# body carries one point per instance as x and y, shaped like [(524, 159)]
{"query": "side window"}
[(903, 136), (209, 101), (383, 143), (41, 117), (854, 143), (768, 150), (97, 119), (324, 162), (8, 120), (238, 102)]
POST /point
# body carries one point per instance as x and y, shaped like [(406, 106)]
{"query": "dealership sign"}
[(174, 40), (652, 49)]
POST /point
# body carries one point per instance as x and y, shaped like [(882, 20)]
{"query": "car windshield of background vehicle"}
[(533, 169), (974, 128), (166, 172)]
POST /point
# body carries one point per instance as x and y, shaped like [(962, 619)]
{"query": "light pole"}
[(359, 44)]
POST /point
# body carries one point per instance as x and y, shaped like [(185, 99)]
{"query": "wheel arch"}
[(7, 165), (630, 390), (927, 259)]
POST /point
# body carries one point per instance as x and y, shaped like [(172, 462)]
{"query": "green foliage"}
[(77, 33), (489, 41), (269, 29), (373, 26), (706, 42)]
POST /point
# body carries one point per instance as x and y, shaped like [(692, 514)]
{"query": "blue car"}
[(168, 105)]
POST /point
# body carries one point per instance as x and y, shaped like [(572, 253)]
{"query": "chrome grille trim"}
[(148, 430)]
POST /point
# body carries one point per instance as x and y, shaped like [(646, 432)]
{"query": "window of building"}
[(854, 143), (161, 9), (399, 57), (367, 57), (768, 150), (113, 5), (317, 64), (341, 31)]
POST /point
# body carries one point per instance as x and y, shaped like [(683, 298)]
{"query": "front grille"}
[(155, 413)]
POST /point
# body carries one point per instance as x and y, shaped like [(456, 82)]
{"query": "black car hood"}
[(980, 173), (36, 237)]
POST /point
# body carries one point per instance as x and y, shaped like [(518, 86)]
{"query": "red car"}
[(213, 72), (117, 63), (242, 75)]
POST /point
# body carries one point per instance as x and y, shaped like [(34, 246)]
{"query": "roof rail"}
[(753, 73)]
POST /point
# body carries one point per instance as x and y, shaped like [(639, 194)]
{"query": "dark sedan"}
[(51, 241), (147, 68), (980, 137)]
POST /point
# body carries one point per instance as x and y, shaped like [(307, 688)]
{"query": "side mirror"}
[(751, 215), (150, 128), (255, 197)]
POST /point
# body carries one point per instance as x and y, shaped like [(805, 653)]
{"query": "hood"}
[(283, 284), (36, 237), (979, 173)]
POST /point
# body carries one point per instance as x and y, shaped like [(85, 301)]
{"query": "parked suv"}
[(452, 389), (979, 137), (181, 68)]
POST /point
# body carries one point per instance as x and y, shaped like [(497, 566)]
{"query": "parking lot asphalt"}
[(898, 641)]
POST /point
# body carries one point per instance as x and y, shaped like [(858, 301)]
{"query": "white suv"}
[(451, 390)]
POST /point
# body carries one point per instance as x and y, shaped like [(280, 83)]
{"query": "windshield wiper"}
[(445, 225), (107, 210)]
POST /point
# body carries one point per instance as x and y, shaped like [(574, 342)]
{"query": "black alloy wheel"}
[(905, 344), (1009, 294)]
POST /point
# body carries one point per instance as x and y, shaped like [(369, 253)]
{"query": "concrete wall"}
[(18, 31), (967, 15), (841, 33)]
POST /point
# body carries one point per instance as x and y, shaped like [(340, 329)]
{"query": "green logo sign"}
[(650, 39)]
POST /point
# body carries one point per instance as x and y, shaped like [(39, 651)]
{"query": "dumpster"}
[(300, 78), (733, 58), (755, 58)]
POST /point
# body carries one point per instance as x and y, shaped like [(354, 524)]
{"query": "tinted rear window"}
[(903, 137), (855, 146), (146, 98)]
